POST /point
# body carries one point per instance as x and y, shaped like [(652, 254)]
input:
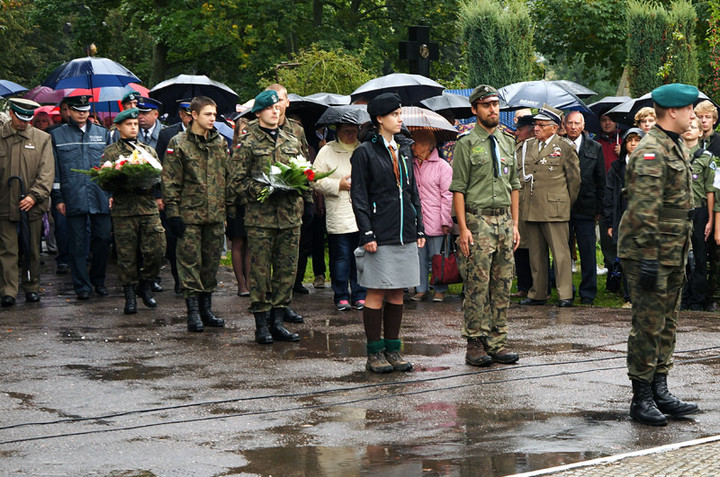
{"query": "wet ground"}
[(86, 390)]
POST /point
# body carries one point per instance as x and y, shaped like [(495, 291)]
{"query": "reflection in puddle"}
[(123, 371)]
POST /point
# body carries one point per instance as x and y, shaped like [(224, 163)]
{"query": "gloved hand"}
[(308, 212), (649, 274), (177, 226)]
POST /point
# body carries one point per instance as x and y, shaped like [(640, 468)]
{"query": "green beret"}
[(484, 94), (675, 95), (79, 103), (131, 113), (265, 99), (24, 109), (131, 96)]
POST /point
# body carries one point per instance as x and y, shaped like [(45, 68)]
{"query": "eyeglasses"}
[(544, 125)]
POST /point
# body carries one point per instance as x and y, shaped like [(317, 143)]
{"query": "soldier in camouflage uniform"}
[(273, 226), (485, 195), (654, 235), (136, 221), (195, 171)]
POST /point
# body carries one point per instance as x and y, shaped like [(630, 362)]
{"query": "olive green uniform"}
[(136, 224), (552, 183), (27, 154), (488, 269), (194, 178), (273, 226), (655, 226)]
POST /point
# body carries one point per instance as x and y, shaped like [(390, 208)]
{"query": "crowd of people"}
[(517, 205)]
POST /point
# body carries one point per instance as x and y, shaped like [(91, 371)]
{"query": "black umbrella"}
[(350, 114), (90, 72), (625, 113), (577, 89), (457, 105), (411, 88), (24, 242), (607, 103), (307, 110), (189, 86), (330, 99)]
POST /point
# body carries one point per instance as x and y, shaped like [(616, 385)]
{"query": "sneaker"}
[(438, 297), (419, 296), (359, 304), (343, 305), (627, 305), (377, 363), (319, 282), (397, 361)]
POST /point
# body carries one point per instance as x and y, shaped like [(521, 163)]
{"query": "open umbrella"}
[(577, 89), (189, 86), (411, 88), (107, 99), (418, 118), (8, 88), (625, 113), (350, 114), (46, 95), (607, 103), (457, 105), (24, 242), (534, 94), (307, 110), (330, 99), (90, 72)]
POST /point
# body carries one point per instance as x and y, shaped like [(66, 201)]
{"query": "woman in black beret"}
[(387, 210)]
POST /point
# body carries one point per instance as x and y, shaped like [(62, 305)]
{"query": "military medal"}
[(543, 161), (550, 168)]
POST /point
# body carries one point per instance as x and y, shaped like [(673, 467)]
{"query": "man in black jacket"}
[(589, 205)]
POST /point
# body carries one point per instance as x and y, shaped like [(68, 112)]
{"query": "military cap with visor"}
[(383, 104), (484, 94), (265, 99), (131, 113), (675, 95), (131, 96), (24, 109), (148, 104), (184, 105), (548, 113), (79, 103)]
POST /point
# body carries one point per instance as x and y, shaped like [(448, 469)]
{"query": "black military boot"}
[(277, 330), (262, 332), (666, 402), (643, 408), (193, 315), (130, 301), (206, 314), (145, 293), (291, 316)]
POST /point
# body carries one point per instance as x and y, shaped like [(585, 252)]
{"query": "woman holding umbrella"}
[(386, 203)]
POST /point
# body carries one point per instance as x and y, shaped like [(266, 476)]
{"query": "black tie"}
[(495, 158), (146, 136)]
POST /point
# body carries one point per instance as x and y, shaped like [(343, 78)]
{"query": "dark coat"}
[(164, 138), (592, 174), (383, 214), (614, 203)]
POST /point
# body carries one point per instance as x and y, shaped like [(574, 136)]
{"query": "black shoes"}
[(206, 315), (504, 357), (643, 408), (62, 269), (587, 301), (565, 303), (532, 302), (32, 297), (194, 323), (291, 316), (666, 402), (130, 300), (262, 332), (155, 286), (144, 292), (277, 330), (300, 290), (83, 295), (6, 301), (101, 290)]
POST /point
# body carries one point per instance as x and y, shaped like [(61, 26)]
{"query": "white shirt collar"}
[(546, 141), (391, 143), (578, 142)]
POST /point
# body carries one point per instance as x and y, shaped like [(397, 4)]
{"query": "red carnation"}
[(310, 174)]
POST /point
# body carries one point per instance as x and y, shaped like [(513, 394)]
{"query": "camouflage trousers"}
[(198, 257), (488, 275), (654, 321), (145, 232), (273, 265)]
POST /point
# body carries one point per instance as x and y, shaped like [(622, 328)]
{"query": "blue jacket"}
[(74, 149)]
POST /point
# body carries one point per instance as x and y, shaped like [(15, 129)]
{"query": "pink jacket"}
[(433, 178)]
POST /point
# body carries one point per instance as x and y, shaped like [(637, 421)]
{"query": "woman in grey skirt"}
[(386, 204)]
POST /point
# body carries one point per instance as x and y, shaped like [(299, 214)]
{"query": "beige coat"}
[(340, 218), (555, 183)]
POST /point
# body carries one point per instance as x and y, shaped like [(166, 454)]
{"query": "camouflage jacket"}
[(194, 178), (655, 225), (142, 201), (294, 127), (253, 157)]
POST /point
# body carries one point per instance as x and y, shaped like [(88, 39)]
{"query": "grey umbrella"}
[(411, 88), (350, 114), (577, 89), (534, 94), (330, 99)]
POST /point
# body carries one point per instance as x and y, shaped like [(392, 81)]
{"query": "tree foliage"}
[(711, 79), (661, 45), (499, 38)]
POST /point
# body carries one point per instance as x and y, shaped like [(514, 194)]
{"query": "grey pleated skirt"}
[(390, 267)]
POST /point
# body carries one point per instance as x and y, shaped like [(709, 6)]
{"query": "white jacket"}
[(340, 218)]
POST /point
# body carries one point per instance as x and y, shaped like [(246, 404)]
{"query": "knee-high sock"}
[(373, 319), (392, 318)]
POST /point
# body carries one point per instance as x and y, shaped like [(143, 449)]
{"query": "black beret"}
[(383, 104)]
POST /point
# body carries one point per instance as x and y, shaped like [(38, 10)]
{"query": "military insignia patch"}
[(712, 166), (169, 151), (478, 150), (650, 156)]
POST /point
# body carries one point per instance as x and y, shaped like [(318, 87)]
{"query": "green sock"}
[(392, 345), (375, 346)]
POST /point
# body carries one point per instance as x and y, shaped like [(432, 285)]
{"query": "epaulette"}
[(508, 134), (567, 141), (463, 134)]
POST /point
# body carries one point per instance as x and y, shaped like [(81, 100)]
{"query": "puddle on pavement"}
[(390, 461), (123, 371)]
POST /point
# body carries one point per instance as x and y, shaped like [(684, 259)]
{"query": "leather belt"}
[(494, 212)]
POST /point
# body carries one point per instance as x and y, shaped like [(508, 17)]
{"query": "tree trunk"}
[(159, 63)]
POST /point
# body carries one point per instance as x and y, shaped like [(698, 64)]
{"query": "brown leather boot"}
[(476, 355)]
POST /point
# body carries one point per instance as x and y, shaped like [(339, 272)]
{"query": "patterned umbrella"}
[(415, 118)]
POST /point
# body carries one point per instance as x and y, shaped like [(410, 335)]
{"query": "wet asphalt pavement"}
[(86, 390)]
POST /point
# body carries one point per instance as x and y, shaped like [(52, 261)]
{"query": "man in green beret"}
[(654, 237), (273, 226), (130, 100), (136, 220), (26, 159)]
